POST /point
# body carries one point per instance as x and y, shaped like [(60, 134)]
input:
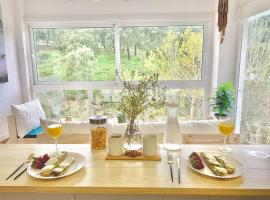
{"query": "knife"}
[(179, 171)]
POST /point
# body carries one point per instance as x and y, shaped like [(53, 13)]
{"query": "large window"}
[(254, 82), (75, 69)]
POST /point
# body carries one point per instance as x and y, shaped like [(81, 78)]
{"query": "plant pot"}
[(220, 117), (132, 136)]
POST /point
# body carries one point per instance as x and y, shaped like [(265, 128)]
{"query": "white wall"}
[(88, 7), (10, 92)]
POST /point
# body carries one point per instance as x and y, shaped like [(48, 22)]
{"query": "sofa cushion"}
[(199, 127), (27, 116), (34, 132)]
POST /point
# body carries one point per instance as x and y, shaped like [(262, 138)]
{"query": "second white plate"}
[(207, 172)]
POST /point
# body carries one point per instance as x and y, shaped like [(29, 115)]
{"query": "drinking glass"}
[(54, 131), (226, 127)]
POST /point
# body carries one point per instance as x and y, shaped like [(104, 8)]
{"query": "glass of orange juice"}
[(55, 130), (226, 127)]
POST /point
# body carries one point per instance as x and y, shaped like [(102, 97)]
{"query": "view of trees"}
[(256, 94), (88, 54)]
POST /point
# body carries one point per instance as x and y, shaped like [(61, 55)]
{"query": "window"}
[(64, 103), (254, 82), (77, 54), (74, 69), (174, 51)]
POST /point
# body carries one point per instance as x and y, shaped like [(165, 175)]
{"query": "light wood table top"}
[(136, 177)]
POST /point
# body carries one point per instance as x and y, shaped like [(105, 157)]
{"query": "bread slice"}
[(63, 166), (228, 166), (47, 170), (213, 164)]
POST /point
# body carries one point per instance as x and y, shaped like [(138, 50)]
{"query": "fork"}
[(170, 162), (29, 159)]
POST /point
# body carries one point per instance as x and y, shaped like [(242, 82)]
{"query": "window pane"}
[(189, 105), (106, 102), (63, 104), (174, 51), (255, 118), (77, 54)]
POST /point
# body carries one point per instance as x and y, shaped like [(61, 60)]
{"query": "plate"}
[(207, 172), (75, 167)]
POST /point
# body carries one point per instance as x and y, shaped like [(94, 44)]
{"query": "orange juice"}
[(226, 128), (54, 130)]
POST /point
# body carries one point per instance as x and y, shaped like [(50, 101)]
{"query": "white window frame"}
[(204, 83)]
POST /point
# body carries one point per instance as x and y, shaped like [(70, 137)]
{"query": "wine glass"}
[(226, 127), (54, 131)]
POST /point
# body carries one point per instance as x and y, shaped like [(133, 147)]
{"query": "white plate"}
[(75, 167), (206, 171)]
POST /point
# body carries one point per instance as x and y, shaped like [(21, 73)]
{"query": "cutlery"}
[(179, 172), (170, 162), (29, 159), (20, 174)]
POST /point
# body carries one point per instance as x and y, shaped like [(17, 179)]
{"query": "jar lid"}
[(98, 119)]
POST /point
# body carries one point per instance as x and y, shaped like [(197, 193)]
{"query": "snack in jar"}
[(98, 126)]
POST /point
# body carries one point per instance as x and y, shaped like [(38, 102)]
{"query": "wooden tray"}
[(124, 157)]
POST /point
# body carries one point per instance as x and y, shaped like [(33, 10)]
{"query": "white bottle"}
[(172, 136)]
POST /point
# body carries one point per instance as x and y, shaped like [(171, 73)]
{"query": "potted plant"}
[(136, 98), (222, 102)]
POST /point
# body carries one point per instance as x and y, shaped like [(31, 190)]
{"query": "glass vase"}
[(132, 136)]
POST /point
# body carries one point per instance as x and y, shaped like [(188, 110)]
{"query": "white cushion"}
[(27, 116), (186, 127), (199, 127)]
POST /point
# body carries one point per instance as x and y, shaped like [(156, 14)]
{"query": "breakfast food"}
[(196, 161), (39, 162), (229, 167), (62, 167), (213, 164), (54, 164), (47, 170)]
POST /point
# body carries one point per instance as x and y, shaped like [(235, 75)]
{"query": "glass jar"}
[(98, 126)]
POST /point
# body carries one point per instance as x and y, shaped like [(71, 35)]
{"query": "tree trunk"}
[(128, 52), (47, 39), (104, 46), (147, 54), (135, 50)]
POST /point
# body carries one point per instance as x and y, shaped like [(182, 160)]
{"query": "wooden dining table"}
[(121, 178)]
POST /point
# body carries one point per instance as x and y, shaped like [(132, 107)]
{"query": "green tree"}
[(78, 65), (179, 57)]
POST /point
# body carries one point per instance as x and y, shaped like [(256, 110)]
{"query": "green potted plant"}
[(222, 102), (136, 98)]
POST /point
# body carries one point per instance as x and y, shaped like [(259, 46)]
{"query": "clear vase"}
[(132, 137), (172, 136)]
